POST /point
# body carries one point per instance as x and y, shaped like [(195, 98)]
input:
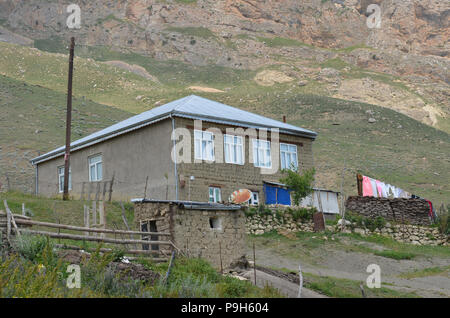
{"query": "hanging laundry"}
[(390, 191), (373, 183), (367, 187), (385, 190), (431, 209), (379, 188)]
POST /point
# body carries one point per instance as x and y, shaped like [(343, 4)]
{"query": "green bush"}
[(443, 220), (362, 221), (37, 249), (233, 288), (301, 214), (299, 184), (251, 211)]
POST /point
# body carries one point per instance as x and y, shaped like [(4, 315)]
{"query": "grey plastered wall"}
[(130, 157), (231, 177)]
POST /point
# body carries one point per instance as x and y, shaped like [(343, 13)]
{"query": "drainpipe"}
[(37, 179), (175, 163)]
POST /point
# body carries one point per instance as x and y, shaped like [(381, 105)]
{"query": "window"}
[(61, 179), (261, 153), (234, 149), (95, 168), (204, 145), (254, 200), (288, 156), (215, 223), (214, 195)]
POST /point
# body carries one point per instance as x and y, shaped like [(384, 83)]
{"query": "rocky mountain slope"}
[(411, 46), (316, 61)]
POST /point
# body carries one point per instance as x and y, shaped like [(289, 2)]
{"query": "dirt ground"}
[(327, 260)]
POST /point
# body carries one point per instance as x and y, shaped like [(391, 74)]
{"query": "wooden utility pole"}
[(68, 122)]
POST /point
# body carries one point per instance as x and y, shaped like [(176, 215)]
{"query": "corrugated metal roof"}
[(193, 205), (192, 106)]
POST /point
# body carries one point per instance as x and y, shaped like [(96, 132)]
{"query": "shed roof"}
[(193, 205), (193, 107)]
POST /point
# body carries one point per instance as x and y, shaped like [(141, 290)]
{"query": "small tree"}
[(299, 184)]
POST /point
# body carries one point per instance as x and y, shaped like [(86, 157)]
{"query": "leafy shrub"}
[(37, 249), (361, 221), (299, 184), (263, 210), (233, 288), (302, 214), (186, 287), (443, 220), (251, 211)]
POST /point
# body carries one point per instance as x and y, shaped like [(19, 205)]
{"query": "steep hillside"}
[(32, 121), (395, 148)]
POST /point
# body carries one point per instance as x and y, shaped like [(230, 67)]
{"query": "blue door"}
[(276, 195)]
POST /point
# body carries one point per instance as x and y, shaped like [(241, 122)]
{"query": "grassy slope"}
[(414, 157), (32, 120)]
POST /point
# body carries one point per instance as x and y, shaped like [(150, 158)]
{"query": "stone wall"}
[(231, 177), (405, 233), (412, 211), (191, 230)]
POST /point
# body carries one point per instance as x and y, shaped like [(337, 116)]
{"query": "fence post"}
[(254, 262), (8, 183), (94, 212), (111, 187), (23, 209), (82, 191), (86, 218), (101, 208), (8, 221)]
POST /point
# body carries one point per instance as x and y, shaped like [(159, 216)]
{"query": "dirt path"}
[(285, 287), (328, 261)]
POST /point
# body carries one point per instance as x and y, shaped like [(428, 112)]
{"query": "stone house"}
[(212, 231), (191, 149)]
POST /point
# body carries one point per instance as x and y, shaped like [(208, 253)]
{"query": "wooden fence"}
[(12, 226), (97, 190)]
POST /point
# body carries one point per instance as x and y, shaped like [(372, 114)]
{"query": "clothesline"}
[(378, 189)]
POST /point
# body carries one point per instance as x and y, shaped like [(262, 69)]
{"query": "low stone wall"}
[(404, 233), (258, 224), (413, 234), (412, 211)]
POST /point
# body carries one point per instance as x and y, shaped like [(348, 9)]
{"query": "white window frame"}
[(254, 199), (95, 164), (216, 195), (203, 145), (284, 154), (262, 152), (61, 178), (232, 144)]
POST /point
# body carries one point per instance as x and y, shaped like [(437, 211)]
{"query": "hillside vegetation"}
[(395, 148)]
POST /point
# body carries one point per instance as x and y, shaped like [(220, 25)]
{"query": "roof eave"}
[(54, 154), (307, 134)]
